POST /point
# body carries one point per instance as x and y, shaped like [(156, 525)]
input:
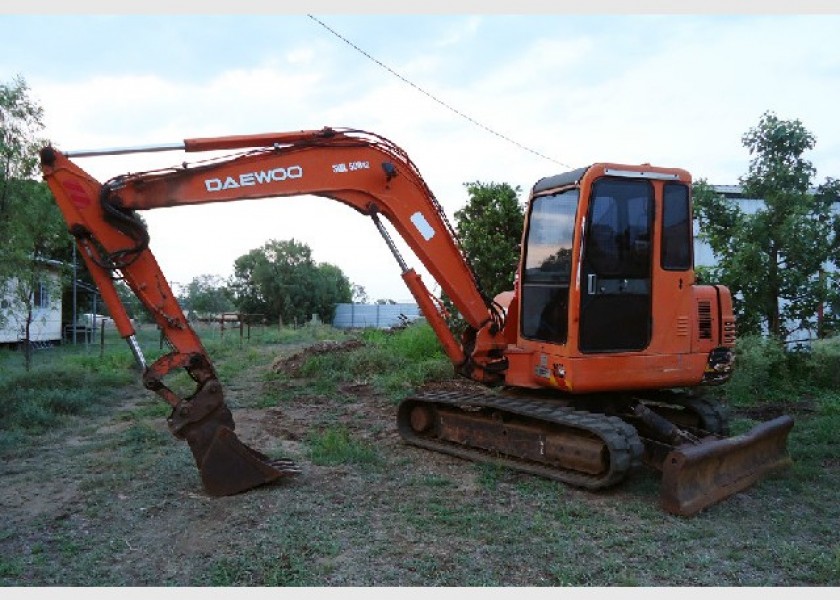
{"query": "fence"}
[(105, 336), (236, 328)]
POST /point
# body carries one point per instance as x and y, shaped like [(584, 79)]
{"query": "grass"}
[(336, 447), (47, 396), (98, 493), (393, 363), (295, 559)]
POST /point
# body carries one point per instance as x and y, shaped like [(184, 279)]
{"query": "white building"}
[(46, 322)]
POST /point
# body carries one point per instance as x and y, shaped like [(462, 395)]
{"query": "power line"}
[(433, 97)]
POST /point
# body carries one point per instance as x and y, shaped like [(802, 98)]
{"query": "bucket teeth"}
[(229, 467), (285, 465)]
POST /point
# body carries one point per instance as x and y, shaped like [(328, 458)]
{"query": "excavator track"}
[(579, 448)]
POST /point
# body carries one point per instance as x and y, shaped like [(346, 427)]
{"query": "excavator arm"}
[(361, 170)]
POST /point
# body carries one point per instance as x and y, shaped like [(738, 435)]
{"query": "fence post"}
[(101, 338)]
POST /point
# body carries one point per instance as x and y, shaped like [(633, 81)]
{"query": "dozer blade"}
[(229, 466), (697, 476)]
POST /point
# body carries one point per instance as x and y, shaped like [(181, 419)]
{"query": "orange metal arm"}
[(359, 169), (117, 243), (362, 170)]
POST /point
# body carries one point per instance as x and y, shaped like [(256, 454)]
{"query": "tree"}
[(331, 287), (208, 294), (773, 260), (281, 280), (490, 230), (31, 227), (20, 123)]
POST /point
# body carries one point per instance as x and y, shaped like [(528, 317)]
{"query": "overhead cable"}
[(432, 96)]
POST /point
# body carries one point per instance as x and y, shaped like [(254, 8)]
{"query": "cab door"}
[(615, 295)]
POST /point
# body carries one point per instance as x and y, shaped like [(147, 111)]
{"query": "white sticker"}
[(423, 226)]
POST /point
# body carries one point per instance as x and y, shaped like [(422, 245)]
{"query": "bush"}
[(393, 361), (765, 371), (38, 400), (823, 363), (417, 342), (761, 371)]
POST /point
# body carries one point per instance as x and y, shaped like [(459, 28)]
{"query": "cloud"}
[(674, 91), (461, 32)]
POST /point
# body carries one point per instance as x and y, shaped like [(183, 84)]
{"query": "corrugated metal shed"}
[(380, 316)]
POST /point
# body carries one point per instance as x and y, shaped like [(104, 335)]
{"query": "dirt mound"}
[(290, 365), (456, 384)]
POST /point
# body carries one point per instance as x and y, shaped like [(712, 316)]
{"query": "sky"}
[(480, 97)]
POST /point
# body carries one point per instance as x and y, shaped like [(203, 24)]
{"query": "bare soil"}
[(115, 500)]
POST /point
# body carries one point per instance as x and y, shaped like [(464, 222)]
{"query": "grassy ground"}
[(97, 492)]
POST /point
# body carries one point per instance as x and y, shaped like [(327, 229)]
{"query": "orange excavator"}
[(591, 363)]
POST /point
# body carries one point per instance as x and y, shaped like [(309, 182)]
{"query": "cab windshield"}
[(548, 266)]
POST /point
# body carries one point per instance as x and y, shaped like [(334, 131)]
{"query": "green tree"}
[(774, 259), (281, 280), (331, 287), (490, 230), (31, 227), (20, 124), (208, 294)]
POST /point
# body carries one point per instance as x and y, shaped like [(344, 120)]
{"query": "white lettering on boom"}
[(254, 178)]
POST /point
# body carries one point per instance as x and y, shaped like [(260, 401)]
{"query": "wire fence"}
[(105, 334)]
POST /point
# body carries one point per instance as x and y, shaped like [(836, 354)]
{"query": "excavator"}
[(591, 365)]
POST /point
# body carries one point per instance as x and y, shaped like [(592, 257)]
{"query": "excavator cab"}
[(610, 312), (615, 267), (606, 298)]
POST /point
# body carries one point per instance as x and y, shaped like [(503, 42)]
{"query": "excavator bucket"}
[(696, 476), (229, 466)]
